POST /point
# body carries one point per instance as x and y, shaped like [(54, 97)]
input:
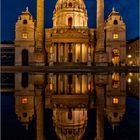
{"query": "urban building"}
[(133, 52), (7, 53)]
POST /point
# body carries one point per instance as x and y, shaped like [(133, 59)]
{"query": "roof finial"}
[(27, 9), (113, 9)]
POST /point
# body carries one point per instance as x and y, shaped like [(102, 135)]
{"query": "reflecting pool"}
[(70, 106)]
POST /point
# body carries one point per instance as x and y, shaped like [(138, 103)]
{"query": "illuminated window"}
[(115, 100), (24, 100), (115, 36), (51, 86), (115, 80), (24, 35)]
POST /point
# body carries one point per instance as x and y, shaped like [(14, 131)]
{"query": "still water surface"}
[(71, 106)]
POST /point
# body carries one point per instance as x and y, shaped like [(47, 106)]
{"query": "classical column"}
[(51, 56), (66, 52), (74, 52), (39, 46), (88, 55), (81, 52), (100, 26), (100, 55), (59, 52)]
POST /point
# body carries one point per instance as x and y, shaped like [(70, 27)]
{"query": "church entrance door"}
[(70, 57)]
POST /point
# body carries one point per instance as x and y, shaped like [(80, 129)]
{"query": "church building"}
[(70, 40)]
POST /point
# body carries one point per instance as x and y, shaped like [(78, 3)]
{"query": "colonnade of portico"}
[(70, 52), (70, 84)]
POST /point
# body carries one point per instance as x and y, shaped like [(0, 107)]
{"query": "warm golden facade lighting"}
[(115, 36), (129, 80), (129, 56), (24, 100), (115, 100), (25, 35)]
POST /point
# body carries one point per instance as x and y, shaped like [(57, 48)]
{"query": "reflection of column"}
[(100, 55), (39, 113), (39, 89), (100, 113)]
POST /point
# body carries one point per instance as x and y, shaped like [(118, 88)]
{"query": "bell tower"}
[(24, 39), (39, 46)]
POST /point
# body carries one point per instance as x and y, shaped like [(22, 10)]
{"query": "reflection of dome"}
[(70, 13), (70, 123)]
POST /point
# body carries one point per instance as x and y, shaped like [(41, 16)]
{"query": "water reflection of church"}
[(70, 97)]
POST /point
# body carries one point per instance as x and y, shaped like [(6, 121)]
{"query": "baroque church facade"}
[(70, 40)]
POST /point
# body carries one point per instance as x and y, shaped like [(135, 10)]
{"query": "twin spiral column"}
[(39, 36), (100, 54)]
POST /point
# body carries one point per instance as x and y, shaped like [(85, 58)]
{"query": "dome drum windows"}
[(70, 21), (70, 4)]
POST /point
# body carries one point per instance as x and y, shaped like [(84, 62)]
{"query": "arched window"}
[(115, 114), (70, 21), (25, 21), (24, 114), (25, 80), (70, 4), (115, 22), (24, 58)]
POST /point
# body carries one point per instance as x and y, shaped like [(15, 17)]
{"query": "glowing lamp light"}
[(24, 100), (129, 80), (130, 74), (115, 100), (129, 56)]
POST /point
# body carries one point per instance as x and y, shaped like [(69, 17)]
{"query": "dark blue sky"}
[(10, 9)]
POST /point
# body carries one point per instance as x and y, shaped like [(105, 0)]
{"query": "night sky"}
[(10, 9)]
